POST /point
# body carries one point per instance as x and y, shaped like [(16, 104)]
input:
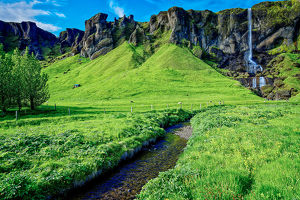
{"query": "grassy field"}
[(236, 152), (42, 156), (46, 151), (171, 75)]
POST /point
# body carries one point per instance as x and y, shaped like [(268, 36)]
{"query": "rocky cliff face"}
[(223, 34), (101, 36), (70, 38), (25, 34)]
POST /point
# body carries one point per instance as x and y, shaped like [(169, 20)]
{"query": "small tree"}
[(35, 82)]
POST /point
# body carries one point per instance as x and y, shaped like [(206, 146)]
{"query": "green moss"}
[(285, 67), (267, 89), (279, 13), (231, 11), (283, 48)]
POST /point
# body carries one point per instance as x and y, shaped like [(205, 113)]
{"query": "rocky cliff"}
[(222, 33), (25, 34), (40, 42), (101, 36), (70, 38)]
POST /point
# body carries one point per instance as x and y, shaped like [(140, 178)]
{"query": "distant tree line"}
[(21, 81)]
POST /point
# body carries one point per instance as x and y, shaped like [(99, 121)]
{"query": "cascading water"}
[(252, 66), (254, 84), (262, 81)]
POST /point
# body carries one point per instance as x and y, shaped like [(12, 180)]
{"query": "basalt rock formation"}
[(70, 38), (101, 36), (25, 34)]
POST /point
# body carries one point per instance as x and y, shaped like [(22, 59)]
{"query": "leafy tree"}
[(5, 80), (18, 90), (35, 82)]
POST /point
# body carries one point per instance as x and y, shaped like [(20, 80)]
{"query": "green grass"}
[(236, 152), (171, 75), (46, 151), (43, 156)]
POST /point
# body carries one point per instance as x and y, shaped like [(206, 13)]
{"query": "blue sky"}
[(57, 15)]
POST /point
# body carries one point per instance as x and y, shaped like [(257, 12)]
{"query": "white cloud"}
[(25, 11), (60, 15), (117, 10), (47, 27)]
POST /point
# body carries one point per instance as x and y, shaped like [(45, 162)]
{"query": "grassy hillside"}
[(171, 75), (236, 152)]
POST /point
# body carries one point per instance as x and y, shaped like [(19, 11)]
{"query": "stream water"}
[(127, 180)]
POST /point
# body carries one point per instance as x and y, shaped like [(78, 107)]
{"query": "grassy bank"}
[(236, 152), (42, 156)]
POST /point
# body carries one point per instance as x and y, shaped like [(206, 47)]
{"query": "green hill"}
[(170, 75)]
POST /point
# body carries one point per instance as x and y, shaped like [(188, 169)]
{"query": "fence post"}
[(16, 115), (151, 107), (131, 108), (104, 110), (69, 111), (200, 106), (167, 106), (192, 108)]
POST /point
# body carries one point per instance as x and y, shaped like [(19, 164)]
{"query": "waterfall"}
[(254, 84), (253, 67), (262, 81)]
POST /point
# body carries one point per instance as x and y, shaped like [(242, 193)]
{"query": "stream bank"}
[(127, 180)]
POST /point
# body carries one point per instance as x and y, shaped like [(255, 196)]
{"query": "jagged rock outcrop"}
[(227, 30), (71, 37), (97, 39), (138, 36), (25, 34), (101, 36)]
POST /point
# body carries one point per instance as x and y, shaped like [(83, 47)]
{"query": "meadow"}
[(236, 152), (171, 75), (46, 155), (87, 130)]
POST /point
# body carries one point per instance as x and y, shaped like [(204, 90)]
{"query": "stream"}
[(127, 180)]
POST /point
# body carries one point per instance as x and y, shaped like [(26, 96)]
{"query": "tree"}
[(35, 82), (5, 80), (18, 90)]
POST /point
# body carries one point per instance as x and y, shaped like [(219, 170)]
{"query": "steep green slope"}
[(172, 74)]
